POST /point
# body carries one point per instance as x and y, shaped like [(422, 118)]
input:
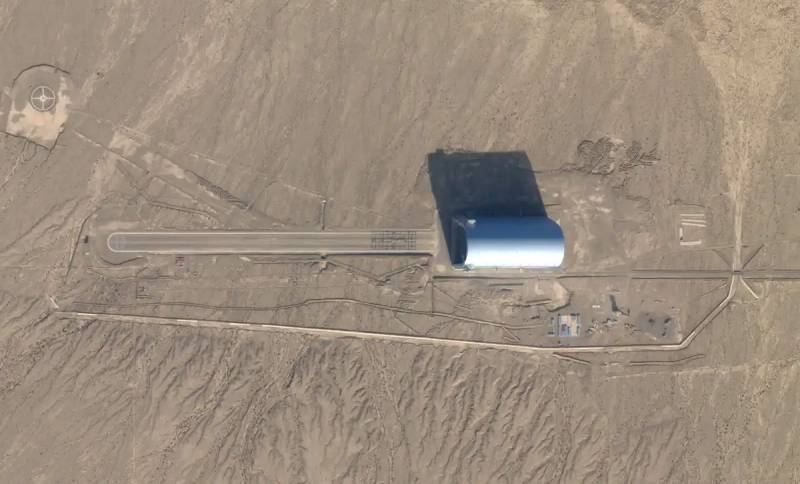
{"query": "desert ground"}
[(662, 136)]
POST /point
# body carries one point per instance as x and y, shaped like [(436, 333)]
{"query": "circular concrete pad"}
[(43, 98), (40, 99)]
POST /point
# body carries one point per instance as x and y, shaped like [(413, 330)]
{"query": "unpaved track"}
[(342, 333)]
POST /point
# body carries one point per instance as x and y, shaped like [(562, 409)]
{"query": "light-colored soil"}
[(663, 137)]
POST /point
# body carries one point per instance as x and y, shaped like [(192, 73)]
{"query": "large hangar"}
[(506, 242)]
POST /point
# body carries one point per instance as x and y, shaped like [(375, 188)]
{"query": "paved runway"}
[(224, 242)]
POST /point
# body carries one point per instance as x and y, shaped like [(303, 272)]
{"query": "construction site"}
[(267, 242)]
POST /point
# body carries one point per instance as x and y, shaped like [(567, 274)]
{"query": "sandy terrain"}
[(663, 137)]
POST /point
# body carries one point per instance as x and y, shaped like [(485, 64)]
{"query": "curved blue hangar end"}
[(506, 242)]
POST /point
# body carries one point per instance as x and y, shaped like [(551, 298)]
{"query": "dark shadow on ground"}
[(474, 184)]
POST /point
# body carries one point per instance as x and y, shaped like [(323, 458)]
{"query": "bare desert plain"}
[(343, 136)]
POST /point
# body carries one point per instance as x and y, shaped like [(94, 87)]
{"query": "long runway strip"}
[(226, 242)]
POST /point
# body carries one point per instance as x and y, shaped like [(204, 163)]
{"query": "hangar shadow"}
[(482, 184)]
